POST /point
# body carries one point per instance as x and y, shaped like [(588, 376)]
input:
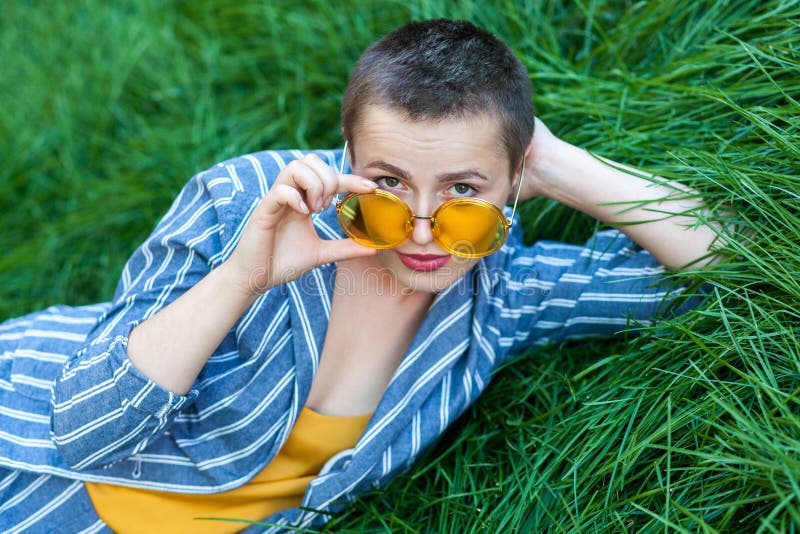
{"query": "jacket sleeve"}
[(607, 286), (103, 408)]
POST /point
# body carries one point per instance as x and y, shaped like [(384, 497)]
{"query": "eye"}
[(388, 182), (462, 190)]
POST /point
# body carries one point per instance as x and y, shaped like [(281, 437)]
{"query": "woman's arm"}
[(658, 214), (172, 346), (180, 294), (278, 244)]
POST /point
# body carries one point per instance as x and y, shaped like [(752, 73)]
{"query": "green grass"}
[(108, 108)]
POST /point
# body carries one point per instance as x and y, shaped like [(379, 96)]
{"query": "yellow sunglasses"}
[(464, 227)]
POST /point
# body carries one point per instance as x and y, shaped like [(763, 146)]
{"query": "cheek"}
[(462, 265), (387, 259)]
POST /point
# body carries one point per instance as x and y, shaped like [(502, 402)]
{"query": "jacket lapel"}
[(310, 297), (443, 338)]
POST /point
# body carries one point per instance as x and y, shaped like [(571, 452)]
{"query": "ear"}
[(519, 175)]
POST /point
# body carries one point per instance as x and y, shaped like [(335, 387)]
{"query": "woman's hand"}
[(539, 155), (279, 243)]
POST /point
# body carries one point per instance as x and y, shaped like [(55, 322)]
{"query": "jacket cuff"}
[(140, 391)]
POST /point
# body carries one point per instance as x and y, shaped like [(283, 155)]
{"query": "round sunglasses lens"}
[(375, 220), (470, 229)]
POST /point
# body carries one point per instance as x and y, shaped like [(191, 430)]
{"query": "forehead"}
[(430, 146)]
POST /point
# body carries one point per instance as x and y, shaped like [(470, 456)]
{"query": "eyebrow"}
[(444, 177)]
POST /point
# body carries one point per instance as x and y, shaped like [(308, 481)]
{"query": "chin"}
[(410, 280)]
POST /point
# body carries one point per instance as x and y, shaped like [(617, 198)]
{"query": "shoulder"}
[(231, 189), (601, 246), (253, 174), (540, 266)]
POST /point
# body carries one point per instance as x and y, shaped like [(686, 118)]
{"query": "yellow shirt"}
[(281, 485)]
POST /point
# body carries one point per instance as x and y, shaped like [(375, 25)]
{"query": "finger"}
[(356, 184), (306, 179), (342, 249), (281, 196), (329, 178)]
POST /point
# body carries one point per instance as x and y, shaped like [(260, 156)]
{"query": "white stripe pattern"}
[(105, 413)]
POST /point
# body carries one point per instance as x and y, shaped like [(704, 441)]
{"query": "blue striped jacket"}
[(72, 405)]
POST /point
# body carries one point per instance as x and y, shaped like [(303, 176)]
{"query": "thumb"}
[(342, 249)]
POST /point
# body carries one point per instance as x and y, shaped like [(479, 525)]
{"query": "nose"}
[(422, 234)]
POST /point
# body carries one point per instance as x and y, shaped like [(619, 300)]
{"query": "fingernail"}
[(304, 208), (369, 183), (318, 205)]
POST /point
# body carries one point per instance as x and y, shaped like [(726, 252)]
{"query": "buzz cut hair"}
[(444, 69)]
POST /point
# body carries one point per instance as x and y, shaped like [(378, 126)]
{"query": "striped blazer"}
[(72, 405)]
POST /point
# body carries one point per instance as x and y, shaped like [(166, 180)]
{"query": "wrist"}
[(552, 166), (245, 285)]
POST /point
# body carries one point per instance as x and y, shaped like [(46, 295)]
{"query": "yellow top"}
[(281, 485)]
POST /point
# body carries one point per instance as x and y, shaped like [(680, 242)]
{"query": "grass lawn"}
[(109, 107)]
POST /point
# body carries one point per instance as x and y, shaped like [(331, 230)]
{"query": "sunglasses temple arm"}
[(344, 158), (341, 170), (519, 188)]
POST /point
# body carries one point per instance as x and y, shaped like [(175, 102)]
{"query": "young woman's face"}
[(425, 164)]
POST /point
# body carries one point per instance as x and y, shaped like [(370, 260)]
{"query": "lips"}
[(423, 262)]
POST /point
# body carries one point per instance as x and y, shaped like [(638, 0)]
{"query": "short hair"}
[(441, 69)]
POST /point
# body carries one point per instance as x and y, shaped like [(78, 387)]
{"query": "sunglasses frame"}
[(506, 222)]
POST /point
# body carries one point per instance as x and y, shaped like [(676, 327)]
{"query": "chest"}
[(367, 337)]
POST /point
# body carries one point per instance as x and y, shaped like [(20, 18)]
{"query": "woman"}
[(255, 357)]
